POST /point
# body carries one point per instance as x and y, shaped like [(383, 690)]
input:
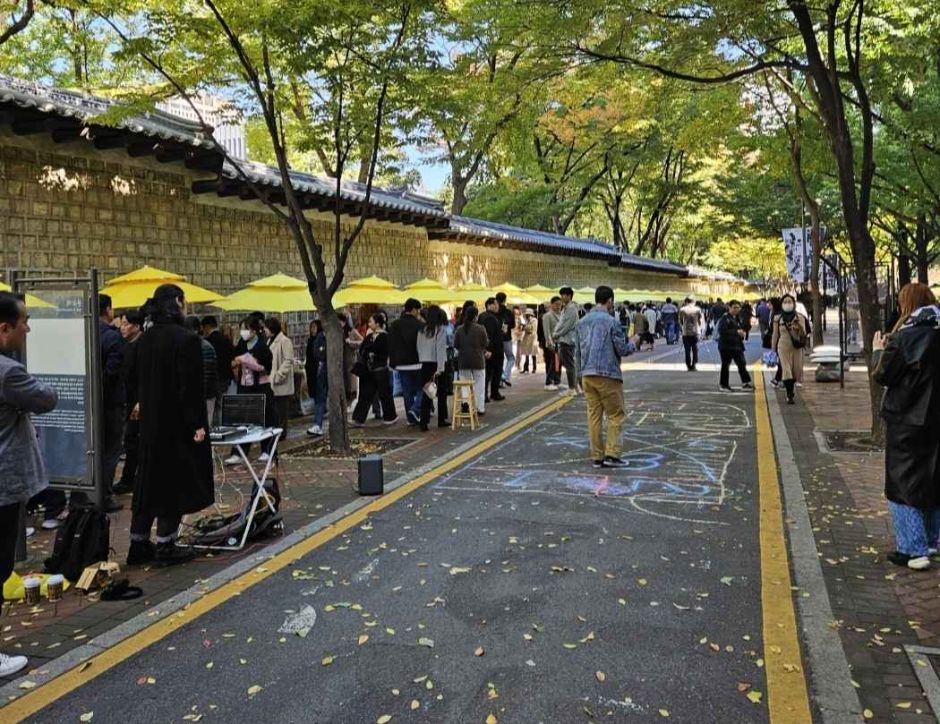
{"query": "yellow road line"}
[(787, 695), (74, 678)]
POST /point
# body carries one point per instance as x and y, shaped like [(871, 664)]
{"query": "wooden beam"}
[(65, 131), (105, 139), (201, 160), (139, 149), (169, 153), (29, 124), (205, 186)]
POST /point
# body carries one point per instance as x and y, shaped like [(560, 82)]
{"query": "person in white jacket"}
[(282, 370)]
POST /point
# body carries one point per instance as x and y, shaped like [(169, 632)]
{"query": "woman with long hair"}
[(175, 464), (907, 365), (789, 338), (471, 343), (432, 354), (374, 380), (315, 367), (282, 371)]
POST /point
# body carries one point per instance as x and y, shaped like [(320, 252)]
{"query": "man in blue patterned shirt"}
[(600, 346)]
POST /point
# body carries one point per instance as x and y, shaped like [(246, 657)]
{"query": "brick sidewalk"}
[(311, 487), (878, 607)]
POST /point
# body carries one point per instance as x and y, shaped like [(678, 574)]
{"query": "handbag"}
[(430, 389), (798, 343)]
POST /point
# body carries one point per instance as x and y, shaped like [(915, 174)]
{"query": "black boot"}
[(169, 554), (140, 552)]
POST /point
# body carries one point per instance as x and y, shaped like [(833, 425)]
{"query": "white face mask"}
[(246, 334), (787, 307)]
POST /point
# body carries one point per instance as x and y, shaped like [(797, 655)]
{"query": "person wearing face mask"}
[(600, 346), (251, 366), (789, 340)]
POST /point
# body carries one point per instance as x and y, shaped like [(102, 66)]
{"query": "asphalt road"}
[(525, 586)]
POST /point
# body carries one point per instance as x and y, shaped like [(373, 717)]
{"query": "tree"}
[(352, 61)]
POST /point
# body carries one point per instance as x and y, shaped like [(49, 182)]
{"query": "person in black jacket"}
[(251, 365), (224, 352), (907, 364), (403, 357), (132, 323), (731, 334), (507, 319), (372, 368), (493, 324), (315, 369), (175, 457)]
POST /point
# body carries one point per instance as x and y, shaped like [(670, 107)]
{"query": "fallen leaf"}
[(87, 716), (664, 713), (479, 651), (426, 642), (868, 714), (727, 580), (415, 704), (384, 719), (743, 686), (363, 638), (326, 660), (390, 631), (642, 582), (254, 689), (570, 646), (755, 696), (454, 570), (28, 685), (491, 719), (904, 705), (600, 676), (209, 665)]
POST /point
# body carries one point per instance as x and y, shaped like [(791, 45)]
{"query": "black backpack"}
[(82, 540)]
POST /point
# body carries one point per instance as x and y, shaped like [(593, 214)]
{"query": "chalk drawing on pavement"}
[(677, 458)]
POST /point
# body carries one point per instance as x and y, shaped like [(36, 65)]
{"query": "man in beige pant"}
[(600, 346)]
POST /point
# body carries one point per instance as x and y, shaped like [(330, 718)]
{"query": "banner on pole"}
[(798, 248)]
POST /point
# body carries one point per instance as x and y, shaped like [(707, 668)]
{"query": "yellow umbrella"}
[(431, 292), (277, 293), (473, 291), (516, 295), (584, 295), (135, 288), (542, 293), (369, 290), (31, 300)]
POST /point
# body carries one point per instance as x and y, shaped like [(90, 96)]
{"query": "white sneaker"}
[(233, 460), (919, 564), (30, 531), (51, 523), (11, 664), (799, 384), (551, 387), (314, 430), (263, 458)]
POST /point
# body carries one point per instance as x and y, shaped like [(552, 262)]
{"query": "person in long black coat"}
[(175, 465), (907, 364)]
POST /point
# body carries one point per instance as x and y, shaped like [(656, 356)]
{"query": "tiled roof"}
[(505, 232)]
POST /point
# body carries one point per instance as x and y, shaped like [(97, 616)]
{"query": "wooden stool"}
[(459, 416)]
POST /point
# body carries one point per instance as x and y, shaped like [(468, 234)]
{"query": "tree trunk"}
[(814, 278), (459, 184), (904, 270), (336, 380), (920, 245)]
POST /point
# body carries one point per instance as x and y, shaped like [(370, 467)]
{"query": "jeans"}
[(604, 396), (552, 376), (670, 326), (9, 532), (375, 384), (566, 351), (690, 342), (727, 357), (141, 523), (411, 391), (479, 387), (915, 529), (509, 359)]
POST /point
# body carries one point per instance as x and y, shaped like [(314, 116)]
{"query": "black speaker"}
[(371, 475)]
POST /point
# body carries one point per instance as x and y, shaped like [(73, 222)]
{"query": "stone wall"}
[(70, 207)]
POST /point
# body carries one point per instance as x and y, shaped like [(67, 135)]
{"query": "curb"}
[(832, 692), (180, 601)]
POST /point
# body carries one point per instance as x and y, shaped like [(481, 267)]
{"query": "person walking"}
[(652, 318), (132, 323), (315, 370), (566, 338), (372, 370), (209, 368), (22, 472), (474, 350), (528, 327), (403, 357), (432, 352), (730, 335), (690, 323), (175, 475), (491, 322), (251, 365), (639, 326), (670, 315), (600, 347), (789, 340), (746, 316), (552, 362), (224, 351), (907, 365), (282, 371), (763, 313)]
